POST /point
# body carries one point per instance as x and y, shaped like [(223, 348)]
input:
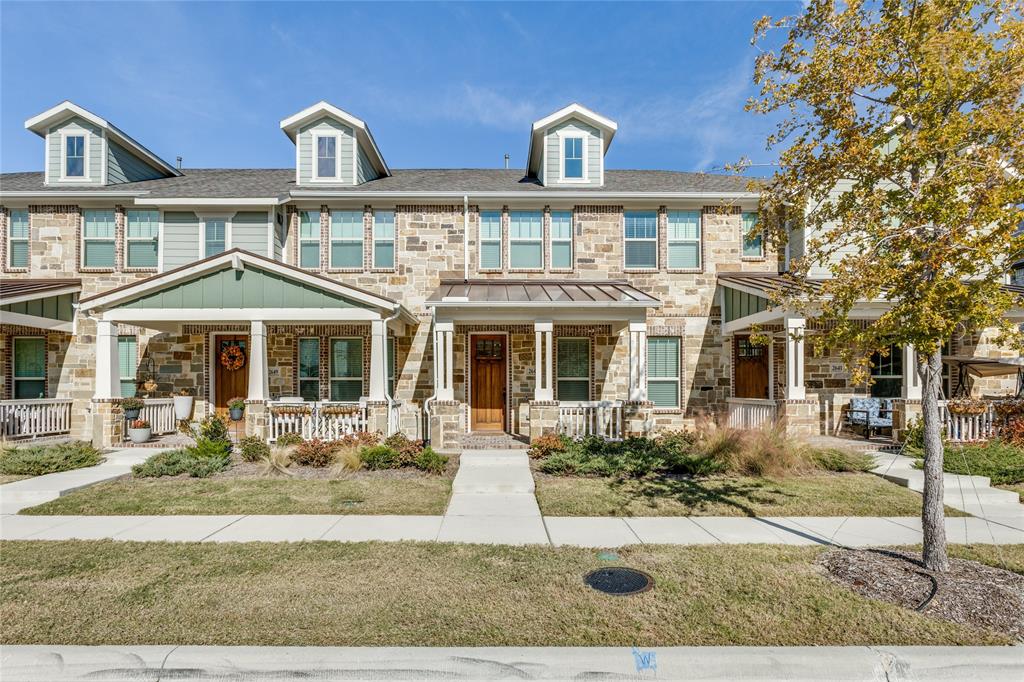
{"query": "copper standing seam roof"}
[(539, 292), (16, 288)]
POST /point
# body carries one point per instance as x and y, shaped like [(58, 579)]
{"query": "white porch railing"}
[(159, 412), (32, 418), (320, 421), (751, 413), (598, 418), (967, 428)]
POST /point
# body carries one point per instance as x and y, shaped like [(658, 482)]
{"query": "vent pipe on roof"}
[(178, 158), (506, 161)]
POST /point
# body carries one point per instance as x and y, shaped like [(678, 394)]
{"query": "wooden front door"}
[(487, 365), (751, 369), (229, 383)]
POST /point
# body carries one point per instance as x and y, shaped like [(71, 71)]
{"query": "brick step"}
[(493, 441)]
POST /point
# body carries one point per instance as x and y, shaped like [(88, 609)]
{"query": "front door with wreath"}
[(231, 369)]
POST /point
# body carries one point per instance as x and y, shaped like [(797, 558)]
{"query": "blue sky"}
[(441, 85)]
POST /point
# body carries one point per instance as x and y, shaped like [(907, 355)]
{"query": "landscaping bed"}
[(24, 461), (430, 594)]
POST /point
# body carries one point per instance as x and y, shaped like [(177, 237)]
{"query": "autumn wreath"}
[(232, 357)]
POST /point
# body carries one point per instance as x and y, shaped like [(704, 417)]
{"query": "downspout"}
[(387, 395)]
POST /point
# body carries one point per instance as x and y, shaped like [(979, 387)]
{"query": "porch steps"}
[(492, 441)]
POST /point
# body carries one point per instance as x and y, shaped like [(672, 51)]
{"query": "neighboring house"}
[(442, 302)]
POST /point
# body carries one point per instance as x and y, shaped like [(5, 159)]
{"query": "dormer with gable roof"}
[(83, 149), (567, 148), (333, 147)]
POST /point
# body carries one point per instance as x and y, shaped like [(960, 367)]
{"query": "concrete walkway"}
[(842, 664), (33, 491)]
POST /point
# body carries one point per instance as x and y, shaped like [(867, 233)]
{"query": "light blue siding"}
[(344, 152), (123, 166), (249, 231), (593, 154), (280, 232), (364, 169), (181, 238), (94, 156)]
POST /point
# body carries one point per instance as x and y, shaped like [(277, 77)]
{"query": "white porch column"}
[(108, 370), (795, 328), (543, 338), (378, 353), (638, 361), (444, 333), (912, 389), (259, 379)]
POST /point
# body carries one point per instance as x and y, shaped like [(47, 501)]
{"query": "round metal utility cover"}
[(619, 581)]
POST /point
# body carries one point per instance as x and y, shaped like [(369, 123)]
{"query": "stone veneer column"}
[(447, 424), (257, 419), (543, 418)]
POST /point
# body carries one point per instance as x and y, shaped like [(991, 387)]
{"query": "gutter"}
[(72, 194), (525, 195)]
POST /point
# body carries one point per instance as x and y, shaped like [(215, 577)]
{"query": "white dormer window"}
[(326, 156), (74, 156), (572, 157)]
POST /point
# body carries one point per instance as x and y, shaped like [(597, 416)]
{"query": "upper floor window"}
[(684, 240), (142, 238), (326, 156), (526, 240), (98, 239), (346, 239), (384, 239), (572, 157), (74, 156), (561, 240), (490, 240), (309, 239), (753, 242), (17, 239), (216, 230), (641, 237)]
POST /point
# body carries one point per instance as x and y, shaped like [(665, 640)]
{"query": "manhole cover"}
[(619, 581)]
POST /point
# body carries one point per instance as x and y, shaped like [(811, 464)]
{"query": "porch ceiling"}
[(40, 303)]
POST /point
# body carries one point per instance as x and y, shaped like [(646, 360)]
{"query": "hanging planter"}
[(970, 407), (236, 409), (1009, 408)]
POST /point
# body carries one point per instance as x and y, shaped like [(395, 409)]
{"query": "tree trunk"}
[(932, 512)]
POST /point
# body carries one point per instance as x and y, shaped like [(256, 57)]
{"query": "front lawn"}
[(824, 494), (429, 594)]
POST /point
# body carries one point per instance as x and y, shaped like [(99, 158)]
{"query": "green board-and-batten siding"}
[(248, 288), (123, 166), (250, 231), (181, 238), (740, 304), (51, 307)]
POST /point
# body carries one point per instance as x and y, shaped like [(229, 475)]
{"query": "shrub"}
[(277, 460), (205, 448), (379, 457), (548, 444), (1013, 432), (430, 461), (406, 449), (288, 439), (1001, 461), (346, 458), (253, 448), (213, 427), (360, 439), (37, 460), (132, 404), (314, 453), (181, 461), (832, 459)]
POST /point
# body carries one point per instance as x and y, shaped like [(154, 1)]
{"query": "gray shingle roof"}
[(272, 182)]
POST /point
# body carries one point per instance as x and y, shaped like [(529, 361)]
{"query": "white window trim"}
[(699, 241), (677, 380), (64, 135), (558, 378), (300, 240), (128, 238), (393, 240), (11, 239), (315, 158), (14, 369), (203, 219), (331, 241), (625, 240), (299, 377), (490, 240), (85, 239), (330, 366), (573, 135), (553, 240), (520, 240)]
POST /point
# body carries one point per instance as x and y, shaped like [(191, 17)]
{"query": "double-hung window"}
[(326, 156), (887, 373), (663, 370), (526, 240), (490, 240), (98, 239), (346, 369), (142, 238), (127, 360), (641, 238), (309, 369), (684, 240), (309, 239), (29, 367), (74, 156), (561, 240), (572, 157), (392, 365), (347, 239), (753, 241), (384, 239), (216, 231), (573, 370), (17, 239)]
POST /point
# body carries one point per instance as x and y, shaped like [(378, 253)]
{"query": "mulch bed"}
[(970, 593)]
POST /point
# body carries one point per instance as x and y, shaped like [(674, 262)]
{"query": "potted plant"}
[(236, 408), (183, 405), (967, 406), (139, 431), (131, 407)]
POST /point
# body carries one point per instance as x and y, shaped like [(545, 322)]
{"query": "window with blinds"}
[(17, 239), (142, 236), (346, 369), (490, 240), (561, 240), (526, 240), (98, 241), (684, 240), (127, 361), (641, 239), (753, 242), (384, 239), (29, 359), (309, 239), (663, 370), (573, 369), (309, 369), (347, 239)]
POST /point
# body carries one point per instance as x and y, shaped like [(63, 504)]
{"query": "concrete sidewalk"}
[(841, 664)]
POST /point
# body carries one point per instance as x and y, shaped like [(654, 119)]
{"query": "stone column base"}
[(798, 417), (637, 419), (543, 418), (377, 417), (447, 425), (107, 423), (904, 412), (257, 419)]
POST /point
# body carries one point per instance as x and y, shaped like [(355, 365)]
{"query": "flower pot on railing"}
[(236, 409), (183, 406), (131, 407), (139, 431)]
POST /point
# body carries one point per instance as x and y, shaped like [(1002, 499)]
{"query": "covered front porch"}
[(532, 358)]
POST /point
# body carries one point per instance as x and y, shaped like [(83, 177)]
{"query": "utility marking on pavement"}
[(645, 660)]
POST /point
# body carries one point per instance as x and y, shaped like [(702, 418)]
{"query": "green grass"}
[(11, 478), (811, 495), (378, 495), (434, 594)]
